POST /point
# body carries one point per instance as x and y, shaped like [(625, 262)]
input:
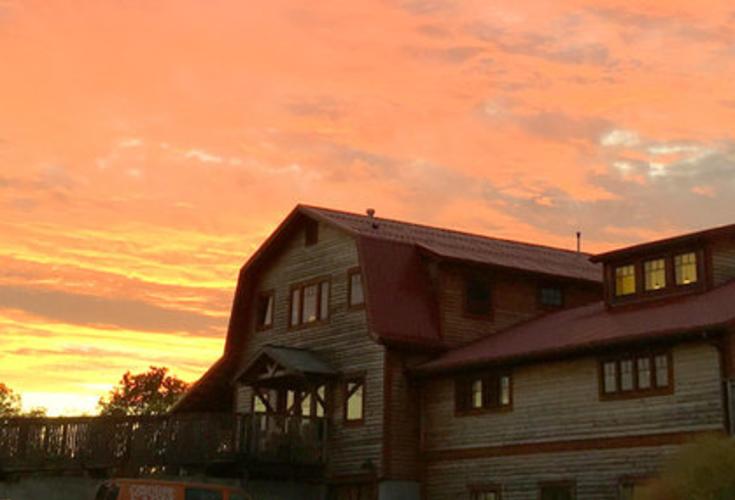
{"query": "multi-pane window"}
[(485, 493), (307, 403), (485, 391), (551, 296), (625, 280), (685, 268), (264, 310), (356, 296), (558, 491), (642, 375), (654, 272), (355, 400), (309, 303), (478, 300)]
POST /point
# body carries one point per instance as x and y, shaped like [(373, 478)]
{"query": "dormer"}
[(663, 269)]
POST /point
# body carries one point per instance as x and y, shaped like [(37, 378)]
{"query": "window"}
[(311, 233), (202, 494), (685, 268), (634, 376), (655, 274), (264, 310), (485, 391), (478, 297), (625, 280), (309, 303), (556, 491), (356, 296), (355, 400), (307, 403), (485, 493), (551, 296)]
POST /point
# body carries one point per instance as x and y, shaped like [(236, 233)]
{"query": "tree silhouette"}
[(9, 402), (148, 393)]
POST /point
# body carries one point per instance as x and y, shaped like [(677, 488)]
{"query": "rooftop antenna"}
[(371, 214), (579, 242)]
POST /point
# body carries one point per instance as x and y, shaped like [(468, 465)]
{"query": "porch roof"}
[(289, 361)]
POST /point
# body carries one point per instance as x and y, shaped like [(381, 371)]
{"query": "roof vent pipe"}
[(371, 214), (579, 242)]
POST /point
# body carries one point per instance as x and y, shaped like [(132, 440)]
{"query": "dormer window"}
[(478, 300), (625, 280), (655, 274), (551, 297), (685, 268)]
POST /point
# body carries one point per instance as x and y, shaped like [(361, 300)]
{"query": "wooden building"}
[(443, 365)]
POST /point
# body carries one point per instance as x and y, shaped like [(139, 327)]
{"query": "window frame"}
[(300, 287), (539, 296), (636, 392), (263, 294), (491, 403), (490, 313), (668, 264), (359, 378), (350, 273), (568, 484), (636, 280), (476, 489), (697, 268)]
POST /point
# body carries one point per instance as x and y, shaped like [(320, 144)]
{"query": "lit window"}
[(611, 377), (685, 267), (356, 294), (552, 296), (655, 274), (354, 400), (311, 300), (264, 310), (624, 280), (477, 394), (490, 391), (504, 390), (642, 375), (310, 303), (478, 297)]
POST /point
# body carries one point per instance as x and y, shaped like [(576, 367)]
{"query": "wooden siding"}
[(723, 261), (342, 341), (514, 299), (401, 447), (596, 473), (560, 401)]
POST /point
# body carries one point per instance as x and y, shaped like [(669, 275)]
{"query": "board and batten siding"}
[(596, 473), (343, 341), (514, 297), (558, 401), (723, 261)]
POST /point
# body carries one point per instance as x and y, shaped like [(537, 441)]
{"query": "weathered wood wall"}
[(597, 473), (559, 402), (343, 341), (723, 260), (514, 299)]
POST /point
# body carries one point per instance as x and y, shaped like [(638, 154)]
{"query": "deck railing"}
[(30, 444)]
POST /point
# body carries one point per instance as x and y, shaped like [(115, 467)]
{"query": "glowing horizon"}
[(146, 150)]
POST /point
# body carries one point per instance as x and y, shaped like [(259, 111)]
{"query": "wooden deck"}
[(88, 443)]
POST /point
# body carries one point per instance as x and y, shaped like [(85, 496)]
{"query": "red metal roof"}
[(594, 326), (467, 247)]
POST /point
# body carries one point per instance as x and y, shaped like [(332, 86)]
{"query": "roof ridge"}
[(446, 230)]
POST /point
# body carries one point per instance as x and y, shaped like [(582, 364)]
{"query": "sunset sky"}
[(147, 148)]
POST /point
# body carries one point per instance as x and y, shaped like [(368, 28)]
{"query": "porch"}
[(149, 443)]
